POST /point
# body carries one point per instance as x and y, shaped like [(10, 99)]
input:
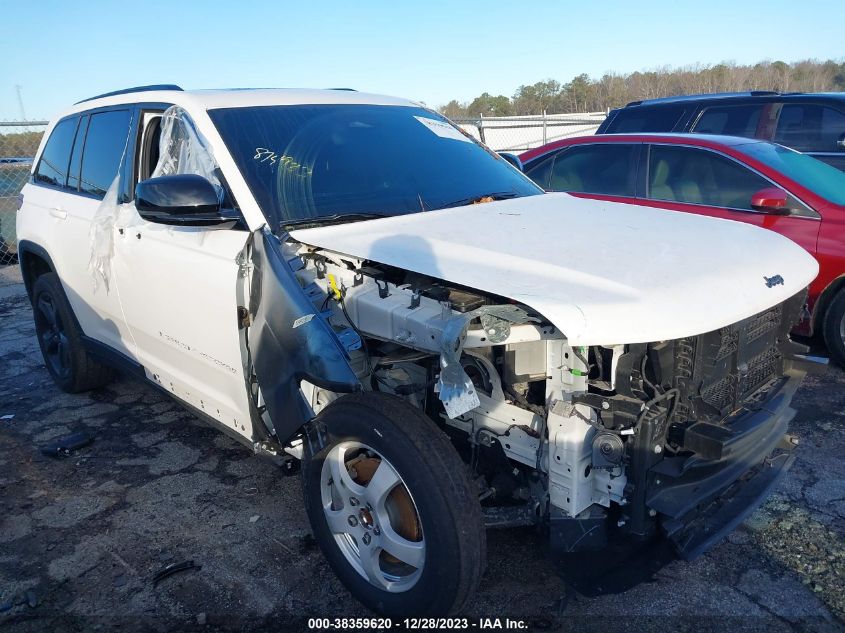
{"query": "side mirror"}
[(513, 159), (772, 200), (182, 199)]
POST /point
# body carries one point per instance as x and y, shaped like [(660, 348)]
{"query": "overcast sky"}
[(433, 51)]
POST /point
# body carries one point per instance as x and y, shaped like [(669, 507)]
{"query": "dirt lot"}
[(82, 537)]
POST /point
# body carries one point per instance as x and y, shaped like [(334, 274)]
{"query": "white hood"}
[(602, 272)]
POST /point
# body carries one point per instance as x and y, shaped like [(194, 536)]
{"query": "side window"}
[(811, 128), (148, 146), (737, 120), (603, 168), (104, 145), (646, 119), (540, 171), (53, 165), (76, 155), (696, 176)]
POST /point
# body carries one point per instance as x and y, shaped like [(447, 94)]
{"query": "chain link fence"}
[(18, 143), (520, 133)]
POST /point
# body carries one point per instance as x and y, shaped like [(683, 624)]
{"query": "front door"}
[(705, 182), (180, 288)]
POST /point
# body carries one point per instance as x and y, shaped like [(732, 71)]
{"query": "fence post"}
[(481, 127), (544, 127)]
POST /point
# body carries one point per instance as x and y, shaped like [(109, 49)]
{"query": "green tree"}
[(537, 98), (583, 94), (488, 105), (454, 110)]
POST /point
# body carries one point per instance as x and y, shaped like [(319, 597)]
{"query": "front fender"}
[(289, 342)]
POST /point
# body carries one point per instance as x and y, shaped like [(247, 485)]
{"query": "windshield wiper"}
[(325, 220), (496, 195)]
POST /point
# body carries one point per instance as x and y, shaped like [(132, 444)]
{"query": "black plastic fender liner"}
[(289, 342)]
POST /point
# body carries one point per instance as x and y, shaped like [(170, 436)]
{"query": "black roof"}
[(149, 88), (737, 96), (712, 95)]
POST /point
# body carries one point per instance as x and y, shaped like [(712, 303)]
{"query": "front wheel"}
[(834, 329), (393, 509)]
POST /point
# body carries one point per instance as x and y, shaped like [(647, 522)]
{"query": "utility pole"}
[(20, 101)]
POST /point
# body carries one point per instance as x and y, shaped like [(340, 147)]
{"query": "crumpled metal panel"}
[(289, 342), (455, 388)]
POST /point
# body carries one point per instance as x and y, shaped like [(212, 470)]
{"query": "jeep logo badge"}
[(771, 282)]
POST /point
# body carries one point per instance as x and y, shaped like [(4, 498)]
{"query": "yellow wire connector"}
[(333, 287)]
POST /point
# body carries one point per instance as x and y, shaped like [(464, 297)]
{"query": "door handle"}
[(61, 214)]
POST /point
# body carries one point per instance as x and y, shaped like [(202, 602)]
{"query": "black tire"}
[(60, 339), (445, 500), (833, 329)]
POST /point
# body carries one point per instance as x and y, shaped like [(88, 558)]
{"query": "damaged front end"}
[(682, 437), (699, 425)]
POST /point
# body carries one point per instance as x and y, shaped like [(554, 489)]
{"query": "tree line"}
[(612, 90), (19, 144)]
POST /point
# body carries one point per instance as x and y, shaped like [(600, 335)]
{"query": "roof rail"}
[(135, 89), (712, 95), (345, 89)]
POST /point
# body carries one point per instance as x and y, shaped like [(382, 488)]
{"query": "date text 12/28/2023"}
[(416, 624)]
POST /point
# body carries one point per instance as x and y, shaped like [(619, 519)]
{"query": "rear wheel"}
[(834, 329), (60, 339), (392, 508)]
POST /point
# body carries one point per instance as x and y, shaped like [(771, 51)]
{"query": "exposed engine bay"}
[(582, 439)]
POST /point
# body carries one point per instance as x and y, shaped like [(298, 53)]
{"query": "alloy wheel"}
[(372, 516), (52, 335)]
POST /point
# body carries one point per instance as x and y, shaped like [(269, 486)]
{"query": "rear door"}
[(705, 182), (81, 160)]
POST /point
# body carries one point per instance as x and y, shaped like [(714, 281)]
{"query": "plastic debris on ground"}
[(174, 568), (65, 445)]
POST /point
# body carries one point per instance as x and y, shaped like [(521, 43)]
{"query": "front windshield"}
[(820, 178), (308, 162)]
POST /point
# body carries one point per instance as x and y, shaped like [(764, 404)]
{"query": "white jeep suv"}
[(350, 280)]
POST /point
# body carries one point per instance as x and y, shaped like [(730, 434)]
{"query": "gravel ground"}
[(82, 537)]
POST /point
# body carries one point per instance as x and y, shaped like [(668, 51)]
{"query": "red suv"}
[(721, 176)]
